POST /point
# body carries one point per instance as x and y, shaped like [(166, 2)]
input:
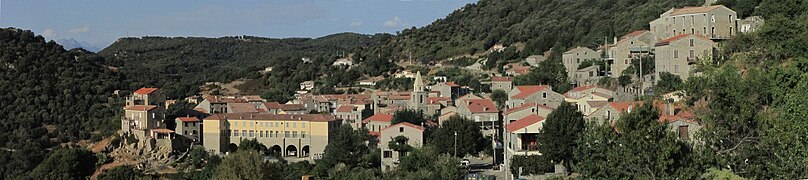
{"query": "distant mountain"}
[(73, 43)]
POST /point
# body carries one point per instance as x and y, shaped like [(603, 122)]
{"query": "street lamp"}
[(455, 143)]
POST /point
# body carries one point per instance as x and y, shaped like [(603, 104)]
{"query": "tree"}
[(66, 164), (121, 173), (243, 165), (638, 146), (399, 144), (197, 156), (530, 164), (408, 115), (252, 144), (470, 140), (668, 83), (428, 163), (557, 137), (500, 97), (347, 147)]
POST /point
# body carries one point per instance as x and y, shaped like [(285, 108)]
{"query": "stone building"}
[(678, 55), (390, 157), (290, 135)]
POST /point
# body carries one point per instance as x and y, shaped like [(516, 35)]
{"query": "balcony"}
[(692, 60)]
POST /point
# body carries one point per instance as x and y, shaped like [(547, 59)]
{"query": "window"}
[(683, 132), (302, 134), (234, 133), (287, 124), (691, 42), (676, 68), (194, 132), (303, 125), (705, 30), (294, 134), (261, 124), (260, 133), (243, 133), (675, 53), (692, 53), (294, 125), (185, 124), (185, 132), (243, 124), (252, 123), (625, 61), (400, 129), (388, 154), (712, 18), (544, 95), (286, 134)]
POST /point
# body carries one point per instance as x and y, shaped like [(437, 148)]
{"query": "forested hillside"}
[(41, 85), (179, 65), (541, 24)]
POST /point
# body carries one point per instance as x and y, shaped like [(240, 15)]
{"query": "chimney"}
[(615, 40), (669, 107)]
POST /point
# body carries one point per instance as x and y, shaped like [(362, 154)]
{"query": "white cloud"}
[(392, 23), (84, 29), (48, 33), (356, 23)]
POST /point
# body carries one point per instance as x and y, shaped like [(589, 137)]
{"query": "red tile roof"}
[(674, 38), (145, 90), (202, 110), (140, 108), (242, 108), (379, 118), (346, 109), (162, 131), (525, 106), (524, 122), (293, 107), (399, 97), (577, 89), (188, 119), (695, 9), (632, 34), (452, 84), (624, 106), (217, 99), (481, 106), (437, 100), (286, 117), (501, 79), (272, 105), (404, 124), (525, 91), (521, 69)]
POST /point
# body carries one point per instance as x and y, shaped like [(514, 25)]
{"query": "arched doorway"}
[(232, 148), (304, 151), (291, 151), (276, 150)]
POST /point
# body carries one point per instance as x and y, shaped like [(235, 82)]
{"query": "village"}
[(677, 42)]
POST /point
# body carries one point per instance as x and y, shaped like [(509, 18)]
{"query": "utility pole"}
[(455, 143), (494, 140)]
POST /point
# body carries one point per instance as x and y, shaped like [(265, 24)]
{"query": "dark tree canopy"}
[(409, 115), (470, 140), (557, 137)]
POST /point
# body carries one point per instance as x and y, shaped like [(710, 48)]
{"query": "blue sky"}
[(100, 22)]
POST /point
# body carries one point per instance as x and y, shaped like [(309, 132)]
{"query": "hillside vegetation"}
[(541, 24), (179, 65), (42, 84)]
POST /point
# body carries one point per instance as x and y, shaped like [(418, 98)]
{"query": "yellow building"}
[(293, 135)]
